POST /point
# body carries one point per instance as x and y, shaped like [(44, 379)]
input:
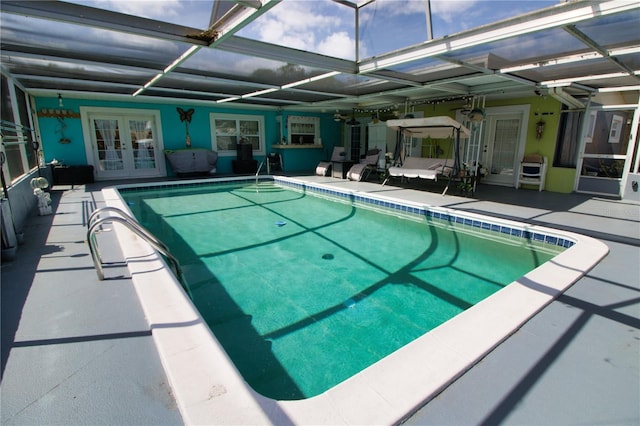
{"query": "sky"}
[(328, 28), (319, 26)]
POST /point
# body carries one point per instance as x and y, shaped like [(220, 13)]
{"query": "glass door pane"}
[(124, 143), (143, 144), (108, 144), (605, 151), (502, 136), (505, 142)]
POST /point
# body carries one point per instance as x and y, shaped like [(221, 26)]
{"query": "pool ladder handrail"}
[(265, 160), (95, 221)]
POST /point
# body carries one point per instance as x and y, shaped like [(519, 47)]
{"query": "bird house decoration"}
[(185, 117)]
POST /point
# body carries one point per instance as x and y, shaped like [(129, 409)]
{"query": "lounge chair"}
[(324, 167), (362, 170), (419, 167)]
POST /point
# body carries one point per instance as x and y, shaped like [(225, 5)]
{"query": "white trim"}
[(21, 134), (635, 138), (122, 113), (633, 142), (303, 119), (495, 112), (24, 136), (546, 19), (236, 117)]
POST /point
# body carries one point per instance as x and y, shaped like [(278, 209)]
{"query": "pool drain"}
[(327, 256)]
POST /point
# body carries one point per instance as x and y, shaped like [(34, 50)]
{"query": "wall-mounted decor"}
[(61, 129), (540, 129), (616, 128), (58, 113), (185, 117)]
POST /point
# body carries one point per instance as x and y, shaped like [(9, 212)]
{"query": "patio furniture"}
[(362, 170), (441, 127), (337, 156), (192, 161), (423, 168), (533, 170)]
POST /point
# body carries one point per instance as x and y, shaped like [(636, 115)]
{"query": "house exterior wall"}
[(173, 131), (559, 179)]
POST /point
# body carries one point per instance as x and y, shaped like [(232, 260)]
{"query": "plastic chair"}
[(533, 170)]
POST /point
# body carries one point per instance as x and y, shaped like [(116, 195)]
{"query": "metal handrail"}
[(95, 221), (122, 213), (260, 168)]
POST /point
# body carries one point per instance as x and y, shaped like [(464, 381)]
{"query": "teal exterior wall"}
[(53, 129), (173, 131)]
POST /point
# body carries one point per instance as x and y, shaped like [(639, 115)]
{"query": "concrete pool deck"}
[(76, 350)]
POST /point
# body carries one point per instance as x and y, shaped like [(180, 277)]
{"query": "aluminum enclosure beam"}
[(559, 16)]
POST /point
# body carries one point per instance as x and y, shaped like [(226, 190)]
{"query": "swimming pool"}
[(389, 389), (304, 290)]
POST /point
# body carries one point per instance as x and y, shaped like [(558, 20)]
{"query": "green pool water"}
[(304, 292)]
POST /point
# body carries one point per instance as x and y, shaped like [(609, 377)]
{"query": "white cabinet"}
[(383, 138), (303, 130)]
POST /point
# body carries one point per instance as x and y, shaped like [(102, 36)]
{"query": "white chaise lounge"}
[(324, 167), (362, 170)]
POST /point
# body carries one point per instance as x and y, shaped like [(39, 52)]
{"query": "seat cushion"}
[(323, 168)]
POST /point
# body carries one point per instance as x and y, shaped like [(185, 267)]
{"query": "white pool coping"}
[(209, 389)]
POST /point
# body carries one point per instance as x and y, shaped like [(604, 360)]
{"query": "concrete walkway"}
[(76, 350), (578, 361)]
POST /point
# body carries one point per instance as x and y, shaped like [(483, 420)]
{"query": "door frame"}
[(493, 113), (587, 129), (122, 113)]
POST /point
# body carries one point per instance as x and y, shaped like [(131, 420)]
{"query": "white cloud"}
[(337, 44), (314, 26), (452, 10), (286, 33), (190, 13), (448, 10), (153, 9), (391, 8)]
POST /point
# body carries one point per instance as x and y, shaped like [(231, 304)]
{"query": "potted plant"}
[(465, 187)]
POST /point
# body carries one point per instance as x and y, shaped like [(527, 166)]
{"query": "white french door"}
[(123, 143), (503, 141)]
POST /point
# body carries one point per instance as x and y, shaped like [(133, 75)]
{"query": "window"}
[(23, 113), (229, 129), (303, 130), (16, 134), (566, 154), (605, 153)]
